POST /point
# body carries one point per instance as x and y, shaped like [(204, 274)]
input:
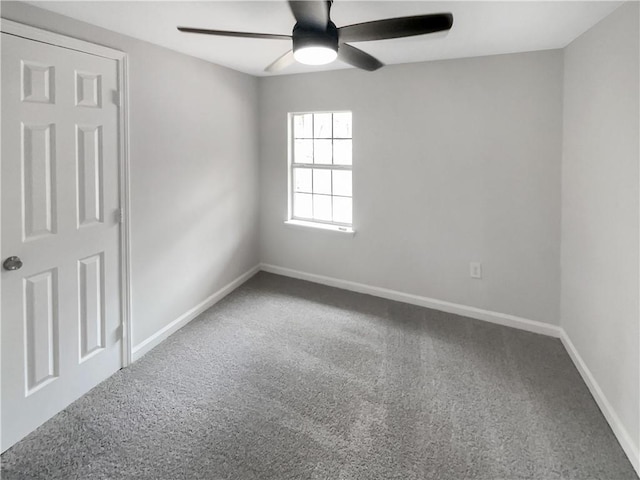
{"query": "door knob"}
[(12, 263)]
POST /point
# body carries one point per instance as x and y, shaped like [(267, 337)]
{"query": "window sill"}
[(320, 226)]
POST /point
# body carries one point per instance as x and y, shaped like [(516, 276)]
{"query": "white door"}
[(61, 322)]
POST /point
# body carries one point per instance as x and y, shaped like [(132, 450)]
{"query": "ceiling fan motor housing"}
[(304, 36)]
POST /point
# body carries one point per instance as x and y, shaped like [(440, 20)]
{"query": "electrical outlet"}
[(475, 270)]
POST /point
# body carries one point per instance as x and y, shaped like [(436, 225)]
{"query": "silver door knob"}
[(12, 263)]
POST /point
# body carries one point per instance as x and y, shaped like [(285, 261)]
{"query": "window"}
[(320, 169)]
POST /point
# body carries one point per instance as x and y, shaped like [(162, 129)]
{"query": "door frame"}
[(32, 33)]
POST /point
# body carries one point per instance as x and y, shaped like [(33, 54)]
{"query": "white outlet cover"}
[(475, 270)]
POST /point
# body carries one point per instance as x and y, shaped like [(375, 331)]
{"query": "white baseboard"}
[(464, 310), (161, 335), (632, 451)]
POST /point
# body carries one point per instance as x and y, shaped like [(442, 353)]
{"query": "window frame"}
[(312, 222)]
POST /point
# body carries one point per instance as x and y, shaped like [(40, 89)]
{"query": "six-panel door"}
[(61, 326)]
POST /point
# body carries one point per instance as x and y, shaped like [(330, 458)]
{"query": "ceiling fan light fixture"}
[(315, 46), (318, 55)]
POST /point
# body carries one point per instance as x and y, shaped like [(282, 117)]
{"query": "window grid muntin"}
[(313, 165)]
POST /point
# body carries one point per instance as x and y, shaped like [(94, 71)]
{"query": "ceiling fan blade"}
[(225, 33), (358, 58), (311, 13), (396, 27), (281, 62)]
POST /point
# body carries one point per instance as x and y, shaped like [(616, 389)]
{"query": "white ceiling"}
[(480, 28)]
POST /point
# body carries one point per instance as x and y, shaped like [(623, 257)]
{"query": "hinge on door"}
[(116, 97), (119, 215)]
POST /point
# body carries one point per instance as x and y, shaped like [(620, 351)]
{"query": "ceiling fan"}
[(317, 40)]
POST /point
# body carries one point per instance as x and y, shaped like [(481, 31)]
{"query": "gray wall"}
[(194, 167), (600, 208), (454, 161)]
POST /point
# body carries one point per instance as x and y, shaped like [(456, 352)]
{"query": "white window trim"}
[(309, 223), (327, 227)]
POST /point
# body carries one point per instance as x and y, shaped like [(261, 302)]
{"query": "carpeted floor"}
[(285, 379)]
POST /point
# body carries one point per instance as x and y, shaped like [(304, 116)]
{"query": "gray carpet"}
[(285, 379)]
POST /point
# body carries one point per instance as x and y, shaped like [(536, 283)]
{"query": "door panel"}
[(89, 166), (91, 318), (61, 328), (37, 82), (38, 190), (41, 330)]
